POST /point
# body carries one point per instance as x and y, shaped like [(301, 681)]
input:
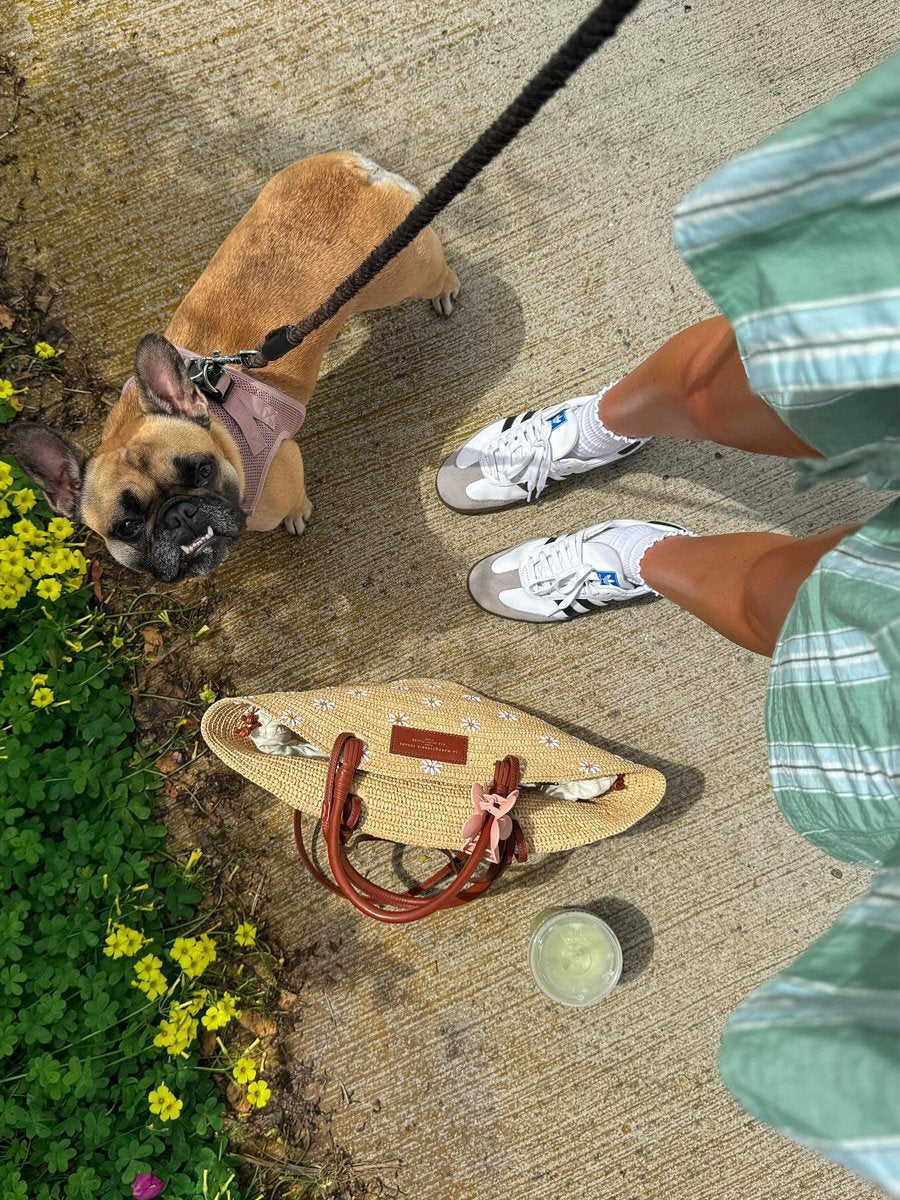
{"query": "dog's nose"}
[(180, 517)]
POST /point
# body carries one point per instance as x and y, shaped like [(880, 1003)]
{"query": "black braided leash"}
[(599, 27)]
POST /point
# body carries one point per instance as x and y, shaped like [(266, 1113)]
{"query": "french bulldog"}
[(167, 487)]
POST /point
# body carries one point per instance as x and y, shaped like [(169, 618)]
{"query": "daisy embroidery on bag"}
[(323, 704), (471, 696), (365, 754), (431, 767), (291, 719), (357, 693), (551, 743), (470, 725), (505, 715), (589, 768), (432, 701), (398, 718), (400, 686)]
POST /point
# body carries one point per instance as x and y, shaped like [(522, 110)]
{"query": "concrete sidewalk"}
[(156, 124)]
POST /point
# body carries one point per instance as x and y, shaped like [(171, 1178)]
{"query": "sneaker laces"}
[(559, 573), (522, 454)]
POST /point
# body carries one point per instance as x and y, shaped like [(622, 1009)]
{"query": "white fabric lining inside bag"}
[(271, 737)]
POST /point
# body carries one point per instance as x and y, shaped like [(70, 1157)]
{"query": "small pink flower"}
[(145, 1187)]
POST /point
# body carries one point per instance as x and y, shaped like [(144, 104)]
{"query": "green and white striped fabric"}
[(807, 1045), (798, 242)]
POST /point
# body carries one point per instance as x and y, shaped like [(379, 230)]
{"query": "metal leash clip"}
[(208, 374)]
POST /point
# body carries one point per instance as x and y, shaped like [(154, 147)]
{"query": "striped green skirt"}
[(798, 242)]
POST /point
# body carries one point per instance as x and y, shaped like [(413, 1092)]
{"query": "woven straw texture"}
[(425, 802)]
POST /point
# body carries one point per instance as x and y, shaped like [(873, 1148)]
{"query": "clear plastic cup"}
[(575, 957)]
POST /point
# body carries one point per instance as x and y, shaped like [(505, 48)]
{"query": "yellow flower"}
[(121, 940), (37, 681), (194, 955), (6, 389), (195, 856), (259, 1093), (176, 1033), (165, 1104), (16, 404), (44, 350), (218, 1015), (60, 527), (196, 1002), (24, 530), (244, 1070), (23, 501), (49, 589), (42, 697), (6, 475), (245, 934), (77, 645), (117, 642), (229, 1007), (5, 510), (153, 984), (146, 966)]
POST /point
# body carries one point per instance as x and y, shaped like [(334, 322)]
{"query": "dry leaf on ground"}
[(153, 642), (169, 762)]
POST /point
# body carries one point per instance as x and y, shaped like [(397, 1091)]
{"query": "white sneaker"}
[(514, 459), (556, 578)]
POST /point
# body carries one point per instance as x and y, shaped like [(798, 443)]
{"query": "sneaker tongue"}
[(563, 428), (606, 563)]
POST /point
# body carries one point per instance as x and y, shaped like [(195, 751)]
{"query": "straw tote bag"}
[(428, 763)]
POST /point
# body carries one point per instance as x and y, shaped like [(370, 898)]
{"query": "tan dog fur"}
[(310, 226)]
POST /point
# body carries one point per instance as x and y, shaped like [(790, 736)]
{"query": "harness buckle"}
[(209, 378), (207, 373)]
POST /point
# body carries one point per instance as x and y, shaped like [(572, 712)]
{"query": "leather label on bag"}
[(429, 743)]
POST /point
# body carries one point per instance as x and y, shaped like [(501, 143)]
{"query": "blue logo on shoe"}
[(558, 419), (608, 578)]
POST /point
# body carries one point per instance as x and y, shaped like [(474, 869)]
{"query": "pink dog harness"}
[(259, 418)]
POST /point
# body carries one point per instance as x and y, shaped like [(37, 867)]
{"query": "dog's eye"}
[(204, 471), (129, 528)]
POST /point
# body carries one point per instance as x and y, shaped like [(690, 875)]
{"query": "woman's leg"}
[(742, 584), (695, 386)]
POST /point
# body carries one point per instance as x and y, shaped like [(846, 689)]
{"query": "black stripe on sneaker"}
[(507, 423), (594, 605), (527, 416), (630, 449), (571, 611)]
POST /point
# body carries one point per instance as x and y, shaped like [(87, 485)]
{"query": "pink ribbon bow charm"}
[(484, 801)]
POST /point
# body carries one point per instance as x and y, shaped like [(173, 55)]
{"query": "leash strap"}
[(601, 25)]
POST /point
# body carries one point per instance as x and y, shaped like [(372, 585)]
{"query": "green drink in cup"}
[(575, 957)]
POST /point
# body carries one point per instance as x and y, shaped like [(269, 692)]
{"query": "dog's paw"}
[(296, 522), (444, 304)]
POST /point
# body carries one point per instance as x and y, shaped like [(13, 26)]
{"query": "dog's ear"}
[(163, 383), (52, 461)]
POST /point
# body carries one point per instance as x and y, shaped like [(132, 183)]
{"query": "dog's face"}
[(161, 490)]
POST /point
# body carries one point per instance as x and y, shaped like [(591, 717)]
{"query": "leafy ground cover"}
[(114, 978)]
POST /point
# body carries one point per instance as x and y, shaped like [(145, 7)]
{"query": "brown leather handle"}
[(340, 814)]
